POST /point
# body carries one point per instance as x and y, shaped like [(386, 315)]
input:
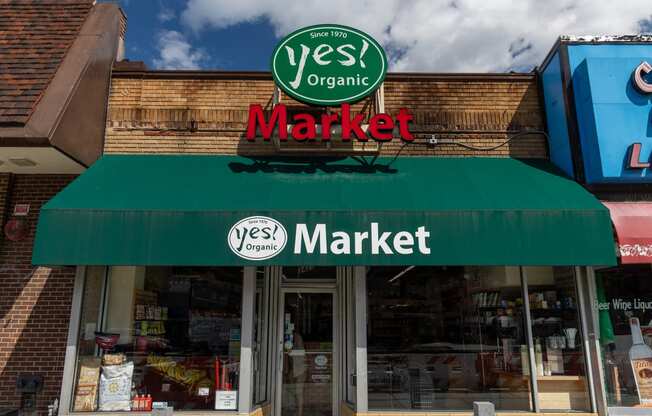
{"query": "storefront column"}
[(593, 335), (360, 288), (588, 331), (348, 327), (68, 379), (534, 389), (245, 388), (274, 364)]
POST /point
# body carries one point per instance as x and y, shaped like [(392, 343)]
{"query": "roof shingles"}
[(34, 38)]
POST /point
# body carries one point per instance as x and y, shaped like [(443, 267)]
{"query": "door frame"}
[(278, 341)]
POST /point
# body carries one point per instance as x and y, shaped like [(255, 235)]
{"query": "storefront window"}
[(88, 365), (625, 317), (440, 338), (558, 345), (170, 337)]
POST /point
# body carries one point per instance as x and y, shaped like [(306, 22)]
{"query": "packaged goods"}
[(113, 359), (87, 384), (191, 378), (115, 387)]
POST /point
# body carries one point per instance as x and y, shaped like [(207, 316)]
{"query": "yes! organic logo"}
[(257, 238), (328, 64)]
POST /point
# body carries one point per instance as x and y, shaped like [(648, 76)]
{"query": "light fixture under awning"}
[(633, 224), (190, 210)]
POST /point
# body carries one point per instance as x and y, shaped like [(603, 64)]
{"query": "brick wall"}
[(5, 182), (151, 112), (34, 301)]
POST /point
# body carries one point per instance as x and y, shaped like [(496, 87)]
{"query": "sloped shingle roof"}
[(34, 38)]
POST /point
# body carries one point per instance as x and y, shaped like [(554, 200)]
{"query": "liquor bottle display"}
[(640, 355)]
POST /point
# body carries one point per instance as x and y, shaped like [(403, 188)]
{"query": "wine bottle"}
[(640, 356)]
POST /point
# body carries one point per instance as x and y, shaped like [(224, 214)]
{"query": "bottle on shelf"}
[(525, 361), (640, 356), (148, 403), (136, 403), (538, 356)]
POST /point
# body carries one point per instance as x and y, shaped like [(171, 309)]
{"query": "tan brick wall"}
[(35, 301), (151, 114)]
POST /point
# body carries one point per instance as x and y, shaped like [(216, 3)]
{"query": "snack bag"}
[(113, 359), (86, 393), (115, 387)]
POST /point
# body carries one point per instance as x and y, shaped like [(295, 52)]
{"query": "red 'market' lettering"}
[(403, 118), (381, 125), (349, 125), (304, 127), (326, 122), (257, 117)]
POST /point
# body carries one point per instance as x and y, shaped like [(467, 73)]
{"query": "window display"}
[(624, 307), (556, 331), (440, 338), (165, 336)]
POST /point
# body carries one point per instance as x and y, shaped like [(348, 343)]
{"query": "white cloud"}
[(165, 15), (176, 53), (440, 35)]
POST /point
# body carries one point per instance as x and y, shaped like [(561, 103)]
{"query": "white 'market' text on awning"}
[(359, 242)]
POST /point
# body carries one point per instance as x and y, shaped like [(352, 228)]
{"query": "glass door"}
[(307, 353)]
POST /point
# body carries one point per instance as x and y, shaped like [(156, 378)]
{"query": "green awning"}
[(222, 210)]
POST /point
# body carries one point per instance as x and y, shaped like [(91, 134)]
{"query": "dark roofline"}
[(267, 76), (70, 115)]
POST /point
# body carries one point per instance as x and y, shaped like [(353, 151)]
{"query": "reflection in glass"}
[(440, 338), (307, 355)]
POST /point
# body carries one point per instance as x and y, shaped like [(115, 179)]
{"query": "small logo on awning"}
[(257, 238)]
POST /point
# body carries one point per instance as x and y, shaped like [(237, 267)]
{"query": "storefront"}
[(338, 282), (422, 314), (598, 106)]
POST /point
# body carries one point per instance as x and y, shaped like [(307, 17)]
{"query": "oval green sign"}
[(328, 64)]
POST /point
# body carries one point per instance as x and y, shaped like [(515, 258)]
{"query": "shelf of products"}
[(555, 326)]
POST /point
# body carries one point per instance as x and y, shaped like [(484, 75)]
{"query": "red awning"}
[(633, 223)]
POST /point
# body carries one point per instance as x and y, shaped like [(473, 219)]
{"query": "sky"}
[(418, 35)]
